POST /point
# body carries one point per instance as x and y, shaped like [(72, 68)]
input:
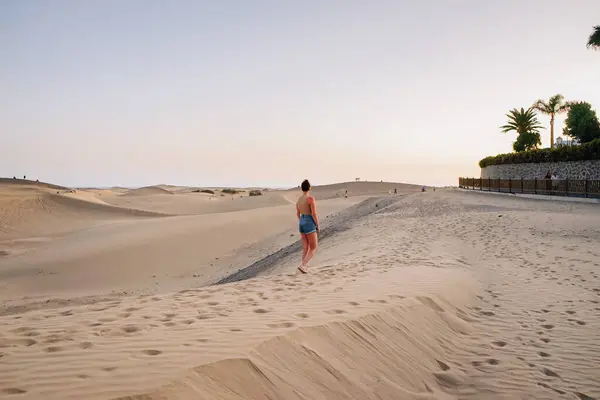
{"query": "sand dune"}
[(146, 191), (441, 295), (198, 249), (30, 183), (360, 189), (27, 210), (187, 203)]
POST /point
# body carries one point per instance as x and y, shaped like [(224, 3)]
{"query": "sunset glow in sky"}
[(266, 92)]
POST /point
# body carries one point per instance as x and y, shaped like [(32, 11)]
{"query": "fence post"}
[(586, 187), (534, 185), (567, 187), (509, 185), (522, 185), (480, 183), (489, 184)]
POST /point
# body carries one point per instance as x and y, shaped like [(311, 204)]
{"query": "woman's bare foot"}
[(302, 269)]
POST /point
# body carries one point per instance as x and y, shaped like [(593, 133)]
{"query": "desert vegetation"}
[(208, 191), (230, 191), (255, 193)]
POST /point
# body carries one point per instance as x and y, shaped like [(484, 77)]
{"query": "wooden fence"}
[(556, 187)]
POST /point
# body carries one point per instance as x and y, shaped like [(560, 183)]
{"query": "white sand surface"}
[(437, 295)]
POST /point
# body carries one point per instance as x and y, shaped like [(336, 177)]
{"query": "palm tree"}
[(527, 126), (594, 40), (555, 105)]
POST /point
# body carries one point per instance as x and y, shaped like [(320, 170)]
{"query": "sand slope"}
[(198, 249), (445, 295), (146, 191), (322, 192), (35, 209)]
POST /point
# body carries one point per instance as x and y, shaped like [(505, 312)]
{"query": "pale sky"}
[(269, 92)]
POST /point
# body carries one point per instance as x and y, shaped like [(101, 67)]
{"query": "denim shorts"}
[(307, 224)]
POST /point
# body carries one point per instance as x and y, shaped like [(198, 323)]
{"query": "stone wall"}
[(589, 169)]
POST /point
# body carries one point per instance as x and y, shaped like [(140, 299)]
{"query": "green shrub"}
[(230, 191), (203, 191), (587, 151), (255, 193)]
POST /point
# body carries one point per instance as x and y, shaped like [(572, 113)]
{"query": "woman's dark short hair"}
[(305, 185)]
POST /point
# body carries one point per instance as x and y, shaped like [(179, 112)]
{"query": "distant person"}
[(395, 191), (548, 180), (554, 180), (308, 224)]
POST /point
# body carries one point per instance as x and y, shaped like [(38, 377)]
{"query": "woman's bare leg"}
[(313, 244), (304, 245)]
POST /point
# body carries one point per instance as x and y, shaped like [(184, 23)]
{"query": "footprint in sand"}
[(13, 391), (53, 349), (443, 366), (261, 311), (550, 373), (583, 396), (548, 326), (499, 343), (130, 328), (152, 352), (16, 342), (282, 325), (543, 354), (335, 311), (302, 315)]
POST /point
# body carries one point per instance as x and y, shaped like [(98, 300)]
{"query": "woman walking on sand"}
[(308, 223)]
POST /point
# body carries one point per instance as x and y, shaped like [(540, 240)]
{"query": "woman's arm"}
[(297, 212), (313, 210)]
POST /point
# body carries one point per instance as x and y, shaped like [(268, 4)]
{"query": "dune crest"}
[(146, 191)]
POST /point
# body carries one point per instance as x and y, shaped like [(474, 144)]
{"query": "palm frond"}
[(554, 105), (541, 106), (522, 121), (594, 39)]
